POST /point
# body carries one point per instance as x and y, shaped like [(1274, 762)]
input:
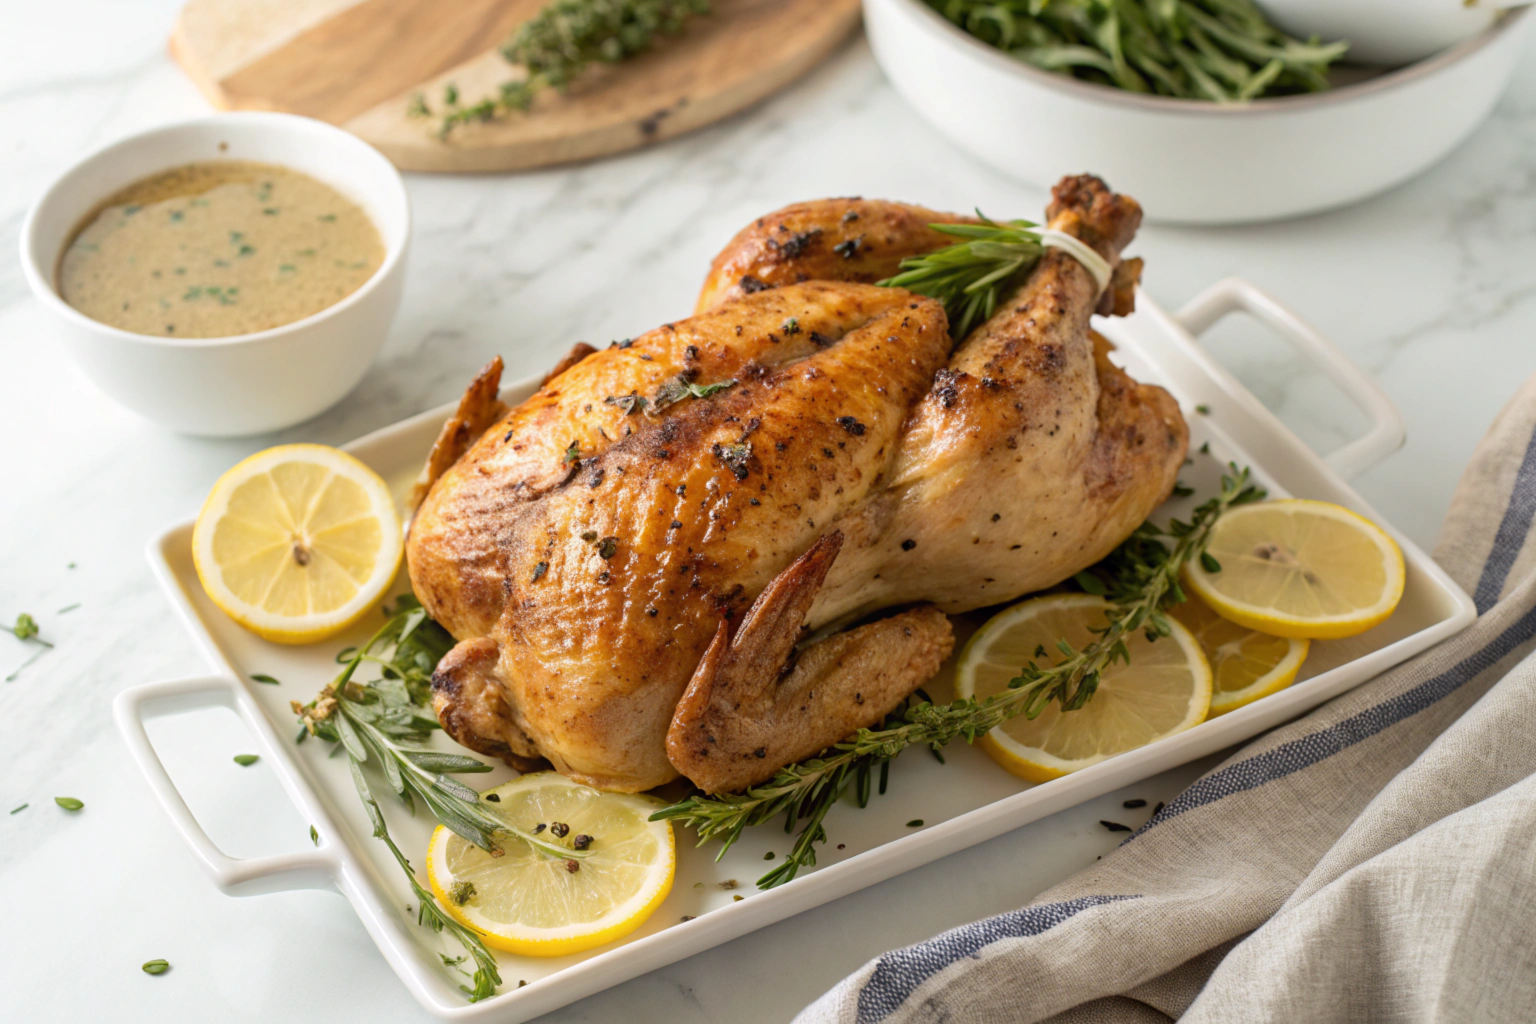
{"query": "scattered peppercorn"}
[(559, 829), (851, 425), (540, 827), (493, 798), (582, 841), (908, 544), (572, 866)]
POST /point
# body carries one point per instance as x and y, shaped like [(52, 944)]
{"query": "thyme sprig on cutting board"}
[(558, 44), (1140, 579), (1220, 50)]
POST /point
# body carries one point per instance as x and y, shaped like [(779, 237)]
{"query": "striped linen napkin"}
[(1373, 861)]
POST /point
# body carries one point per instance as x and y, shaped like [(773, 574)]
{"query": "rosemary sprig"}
[(968, 277), (562, 41), (1218, 50), (377, 724), (1140, 581)]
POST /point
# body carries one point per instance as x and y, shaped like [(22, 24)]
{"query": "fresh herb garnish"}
[(970, 276), (69, 803), (572, 453), (560, 42), (1140, 579), (1219, 50), (680, 387), (385, 724)]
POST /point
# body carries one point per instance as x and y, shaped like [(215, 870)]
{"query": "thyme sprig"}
[(1224, 51), (383, 724), (559, 43), (969, 277), (1140, 581)]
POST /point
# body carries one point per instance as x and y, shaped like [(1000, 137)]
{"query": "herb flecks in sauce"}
[(217, 226)]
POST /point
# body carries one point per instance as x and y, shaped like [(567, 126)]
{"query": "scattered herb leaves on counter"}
[(67, 608), (155, 967), (69, 803), (1115, 826), (557, 44), (268, 680), (246, 760), (26, 628), (1140, 579), (314, 836), (1215, 50), (1133, 804), (18, 810)]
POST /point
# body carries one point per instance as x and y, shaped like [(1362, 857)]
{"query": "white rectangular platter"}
[(962, 802)]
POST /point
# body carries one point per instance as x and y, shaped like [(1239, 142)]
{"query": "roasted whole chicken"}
[(632, 558)]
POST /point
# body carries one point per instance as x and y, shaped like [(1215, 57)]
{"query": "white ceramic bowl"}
[(248, 383), (1186, 160)]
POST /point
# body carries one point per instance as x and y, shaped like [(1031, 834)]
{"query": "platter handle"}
[(1235, 295), (237, 876)]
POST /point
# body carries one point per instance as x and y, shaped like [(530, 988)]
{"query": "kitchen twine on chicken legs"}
[(1079, 250)]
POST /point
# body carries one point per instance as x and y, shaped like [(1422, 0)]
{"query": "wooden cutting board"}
[(357, 63)]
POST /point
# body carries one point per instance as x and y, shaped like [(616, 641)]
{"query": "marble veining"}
[(1431, 287)]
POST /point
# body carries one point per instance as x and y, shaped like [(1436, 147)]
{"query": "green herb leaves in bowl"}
[(1219, 50)]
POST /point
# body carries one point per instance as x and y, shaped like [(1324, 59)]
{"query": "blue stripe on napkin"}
[(1513, 529), (898, 974)]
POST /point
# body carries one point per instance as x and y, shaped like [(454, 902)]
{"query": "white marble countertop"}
[(1432, 288)]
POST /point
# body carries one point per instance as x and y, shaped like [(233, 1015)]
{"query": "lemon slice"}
[(297, 542), (527, 900), (1164, 690), (1245, 664), (1300, 569)]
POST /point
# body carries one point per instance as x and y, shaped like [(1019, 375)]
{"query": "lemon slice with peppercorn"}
[(595, 870)]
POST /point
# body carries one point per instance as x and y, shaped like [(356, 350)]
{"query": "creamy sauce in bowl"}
[(216, 249)]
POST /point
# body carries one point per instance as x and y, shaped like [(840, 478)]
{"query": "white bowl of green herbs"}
[(1228, 123)]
